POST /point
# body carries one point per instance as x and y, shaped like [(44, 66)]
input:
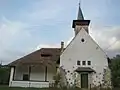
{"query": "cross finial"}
[(80, 15)]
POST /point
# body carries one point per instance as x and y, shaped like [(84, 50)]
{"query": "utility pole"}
[(1, 63)]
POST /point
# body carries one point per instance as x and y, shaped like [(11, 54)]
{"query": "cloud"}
[(27, 31), (7, 56), (58, 45), (47, 46), (9, 29), (42, 11), (10, 34), (17, 38), (108, 38)]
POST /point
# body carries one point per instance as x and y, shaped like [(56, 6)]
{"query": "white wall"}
[(29, 84), (84, 51), (19, 71), (51, 73), (37, 73)]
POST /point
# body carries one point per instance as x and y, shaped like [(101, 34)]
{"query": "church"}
[(82, 63)]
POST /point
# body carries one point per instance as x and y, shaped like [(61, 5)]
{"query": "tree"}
[(4, 75), (57, 79), (115, 70)]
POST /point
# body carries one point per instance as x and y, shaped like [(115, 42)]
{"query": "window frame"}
[(82, 40), (89, 62), (46, 55), (83, 62), (78, 62), (26, 77)]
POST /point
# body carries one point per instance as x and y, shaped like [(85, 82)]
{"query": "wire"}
[(111, 45)]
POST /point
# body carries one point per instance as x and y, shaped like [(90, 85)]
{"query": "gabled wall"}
[(84, 51)]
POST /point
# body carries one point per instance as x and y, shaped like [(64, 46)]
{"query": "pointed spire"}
[(80, 14)]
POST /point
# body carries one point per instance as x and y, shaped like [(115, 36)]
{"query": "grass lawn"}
[(18, 88), (15, 88)]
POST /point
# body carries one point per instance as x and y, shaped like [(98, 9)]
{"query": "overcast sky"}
[(27, 25)]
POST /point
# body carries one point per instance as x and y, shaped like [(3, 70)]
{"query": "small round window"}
[(68, 71), (82, 40)]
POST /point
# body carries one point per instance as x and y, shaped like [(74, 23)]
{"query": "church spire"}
[(80, 14), (80, 22)]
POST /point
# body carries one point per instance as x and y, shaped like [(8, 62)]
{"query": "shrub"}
[(4, 75)]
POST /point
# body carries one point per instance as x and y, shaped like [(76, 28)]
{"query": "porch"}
[(38, 76)]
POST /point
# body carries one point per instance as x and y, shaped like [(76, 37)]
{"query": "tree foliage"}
[(115, 70), (4, 74), (57, 79)]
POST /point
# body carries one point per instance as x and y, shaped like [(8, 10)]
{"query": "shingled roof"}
[(43, 56)]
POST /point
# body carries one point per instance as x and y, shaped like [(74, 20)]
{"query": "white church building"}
[(82, 63)]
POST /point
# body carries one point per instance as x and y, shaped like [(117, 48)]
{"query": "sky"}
[(28, 25)]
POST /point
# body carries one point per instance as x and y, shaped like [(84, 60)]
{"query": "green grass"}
[(5, 87), (18, 88)]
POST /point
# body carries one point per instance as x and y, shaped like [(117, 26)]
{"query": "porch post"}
[(11, 75), (46, 73), (29, 72)]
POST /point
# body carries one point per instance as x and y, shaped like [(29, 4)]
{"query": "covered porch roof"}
[(84, 69)]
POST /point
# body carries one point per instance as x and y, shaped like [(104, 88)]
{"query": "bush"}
[(4, 75)]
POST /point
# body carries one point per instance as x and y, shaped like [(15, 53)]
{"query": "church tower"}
[(80, 22)]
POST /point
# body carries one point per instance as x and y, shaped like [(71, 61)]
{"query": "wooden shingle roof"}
[(43, 56)]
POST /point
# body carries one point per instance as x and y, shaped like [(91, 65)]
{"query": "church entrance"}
[(84, 72), (84, 80)]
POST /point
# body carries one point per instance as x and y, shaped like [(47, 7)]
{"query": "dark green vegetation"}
[(4, 75), (115, 69), (8, 88)]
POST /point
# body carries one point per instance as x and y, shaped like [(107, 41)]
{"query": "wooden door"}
[(84, 80)]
